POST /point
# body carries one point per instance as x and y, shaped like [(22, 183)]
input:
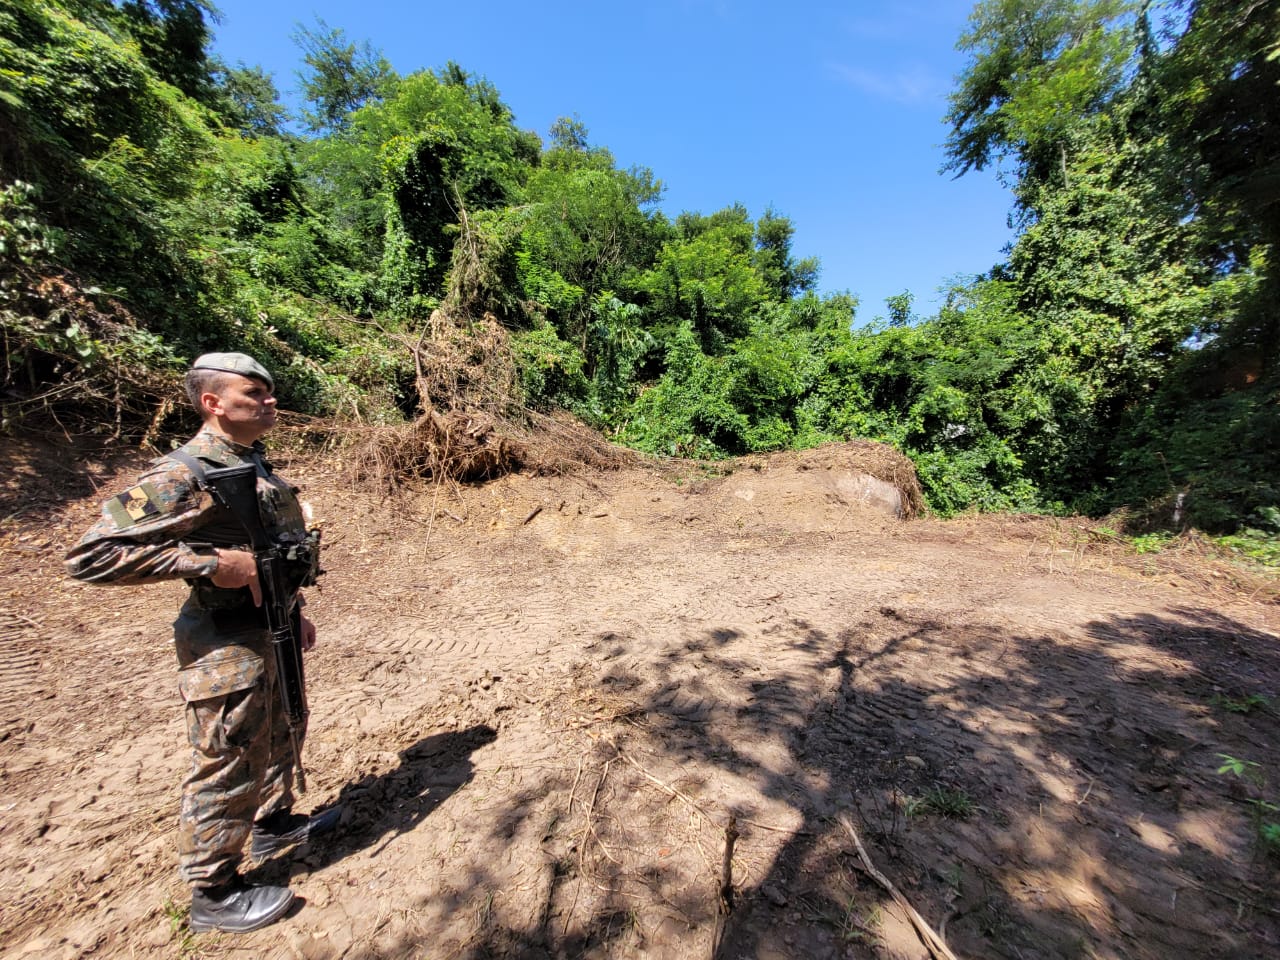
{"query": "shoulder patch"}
[(134, 505)]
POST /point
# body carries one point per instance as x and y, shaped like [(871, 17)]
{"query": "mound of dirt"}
[(826, 488), (540, 700)]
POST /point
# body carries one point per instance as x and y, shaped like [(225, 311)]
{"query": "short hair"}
[(200, 382)]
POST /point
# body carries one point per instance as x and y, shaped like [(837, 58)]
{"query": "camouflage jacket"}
[(167, 526)]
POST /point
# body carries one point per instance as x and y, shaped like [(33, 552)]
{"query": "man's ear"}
[(210, 403)]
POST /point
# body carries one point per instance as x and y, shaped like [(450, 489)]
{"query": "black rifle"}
[(236, 488)]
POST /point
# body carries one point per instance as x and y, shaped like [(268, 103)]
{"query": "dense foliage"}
[(154, 204)]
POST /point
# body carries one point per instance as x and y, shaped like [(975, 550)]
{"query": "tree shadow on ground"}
[(1033, 796), (1058, 799)]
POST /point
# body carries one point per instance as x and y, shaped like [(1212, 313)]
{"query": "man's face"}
[(245, 407)]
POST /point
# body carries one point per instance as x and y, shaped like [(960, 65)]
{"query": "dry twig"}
[(18, 616), (935, 943), (725, 906), (582, 844), (698, 807), (574, 791), (726, 868)]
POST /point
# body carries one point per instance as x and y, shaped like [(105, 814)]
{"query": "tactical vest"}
[(281, 515)]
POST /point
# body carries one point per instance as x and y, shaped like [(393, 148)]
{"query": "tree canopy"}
[(156, 202)]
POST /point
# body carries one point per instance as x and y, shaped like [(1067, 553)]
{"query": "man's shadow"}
[(380, 807)]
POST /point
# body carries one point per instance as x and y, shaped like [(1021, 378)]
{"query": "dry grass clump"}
[(467, 389), (465, 364), (559, 443), (457, 444)]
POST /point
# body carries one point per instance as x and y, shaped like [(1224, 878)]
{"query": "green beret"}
[(240, 363)]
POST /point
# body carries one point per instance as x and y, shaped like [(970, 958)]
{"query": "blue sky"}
[(831, 113)]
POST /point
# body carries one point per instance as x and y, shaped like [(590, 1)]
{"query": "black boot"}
[(282, 830), (236, 907)]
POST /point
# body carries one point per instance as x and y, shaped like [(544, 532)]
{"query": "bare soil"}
[(540, 700)]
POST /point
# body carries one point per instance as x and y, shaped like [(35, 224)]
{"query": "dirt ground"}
[(540, 700)]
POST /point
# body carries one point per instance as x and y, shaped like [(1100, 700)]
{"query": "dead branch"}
[(473, 424), (18, 616), (591, 810), (725, 905), (698, 807), (931, 940), (574, 792), (726, 868), (582, 845)]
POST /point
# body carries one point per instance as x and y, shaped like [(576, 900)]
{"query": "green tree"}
[(899, 307), (1220, 91), (587, 226), (688, 412), (108, 141), (620, 342), (1038, 70), (399, 178), (706, 277), (248, 99), (569, 134), (340, 75), (1139, 164), (784, 276), (173, 36)]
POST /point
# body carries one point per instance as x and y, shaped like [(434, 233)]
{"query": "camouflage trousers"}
[(242, 762)]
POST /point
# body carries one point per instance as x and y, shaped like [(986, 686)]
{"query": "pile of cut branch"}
[(473, 425), (467, 392)]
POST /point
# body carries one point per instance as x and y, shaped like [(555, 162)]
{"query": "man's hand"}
[(308, 632), (237, 568)]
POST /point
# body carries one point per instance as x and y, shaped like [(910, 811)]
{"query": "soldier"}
[(167, 526)]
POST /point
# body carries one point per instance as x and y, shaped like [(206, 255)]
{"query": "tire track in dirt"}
[(473, 699), (21, 650), (1052, 732), (745, 649)]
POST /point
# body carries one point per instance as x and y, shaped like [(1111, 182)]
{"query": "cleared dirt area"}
[(540, 700)]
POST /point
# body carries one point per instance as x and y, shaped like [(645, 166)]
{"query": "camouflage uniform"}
[(167, 527)]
